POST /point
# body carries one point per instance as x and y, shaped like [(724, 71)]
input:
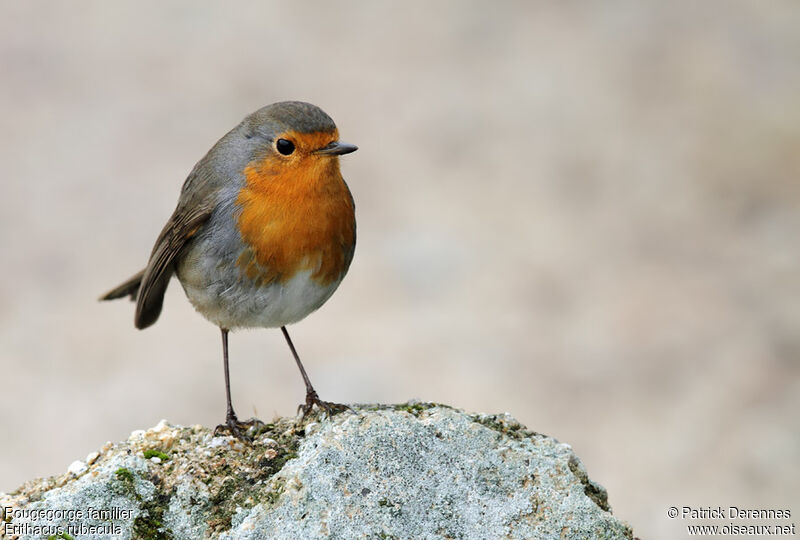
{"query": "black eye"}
[(284, 147)]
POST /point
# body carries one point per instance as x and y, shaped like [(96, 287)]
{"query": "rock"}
[(406, 471), (77, 468)]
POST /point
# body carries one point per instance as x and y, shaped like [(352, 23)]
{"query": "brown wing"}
[(183, 224)]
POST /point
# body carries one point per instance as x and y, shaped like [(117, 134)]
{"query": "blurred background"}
[(586, 214)]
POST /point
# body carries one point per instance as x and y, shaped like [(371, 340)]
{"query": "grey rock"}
[(406, 471)]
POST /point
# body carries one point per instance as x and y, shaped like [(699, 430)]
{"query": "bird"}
[(263, 234)]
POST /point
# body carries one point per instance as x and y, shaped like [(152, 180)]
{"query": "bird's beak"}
[(337, 148)]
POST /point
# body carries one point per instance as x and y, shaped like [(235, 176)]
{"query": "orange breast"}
[(296, 217)]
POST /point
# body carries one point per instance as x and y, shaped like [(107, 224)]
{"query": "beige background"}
[(585, 214)]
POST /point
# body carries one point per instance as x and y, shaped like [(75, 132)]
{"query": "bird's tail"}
[(128, 288)]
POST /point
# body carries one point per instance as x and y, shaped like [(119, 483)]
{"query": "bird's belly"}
[(246, 304), (223, 294)]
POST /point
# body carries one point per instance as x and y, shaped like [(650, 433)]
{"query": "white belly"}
[(246, 305)]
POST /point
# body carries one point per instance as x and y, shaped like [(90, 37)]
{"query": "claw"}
[(237, 428), (326, 407)]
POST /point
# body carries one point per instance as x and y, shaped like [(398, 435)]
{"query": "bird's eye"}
[(284, 146)]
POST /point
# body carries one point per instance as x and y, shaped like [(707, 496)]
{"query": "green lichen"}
[(128, 482), (414, 407), (124, 475), (63, 535), (411, 408), (280, 460), (502, 425), (149, 523), (224, 492), (155, 453), (243, 483), (271, 498)]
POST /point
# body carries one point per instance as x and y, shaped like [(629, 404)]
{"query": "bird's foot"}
[(244, 431), (326, 407)]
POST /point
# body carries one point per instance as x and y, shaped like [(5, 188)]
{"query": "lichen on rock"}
[(415, 470)]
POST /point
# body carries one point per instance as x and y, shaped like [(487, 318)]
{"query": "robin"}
[(263, 233)]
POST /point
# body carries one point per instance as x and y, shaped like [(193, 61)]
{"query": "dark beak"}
[(337, 148)]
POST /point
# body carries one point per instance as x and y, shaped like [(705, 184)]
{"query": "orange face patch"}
[(296, 214)]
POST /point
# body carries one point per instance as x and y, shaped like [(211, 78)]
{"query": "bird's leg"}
[(232, 423), (311, 395)]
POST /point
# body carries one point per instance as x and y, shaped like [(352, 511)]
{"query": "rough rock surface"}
[(407, 471)]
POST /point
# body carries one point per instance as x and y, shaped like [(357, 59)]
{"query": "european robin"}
[(263, 233)]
